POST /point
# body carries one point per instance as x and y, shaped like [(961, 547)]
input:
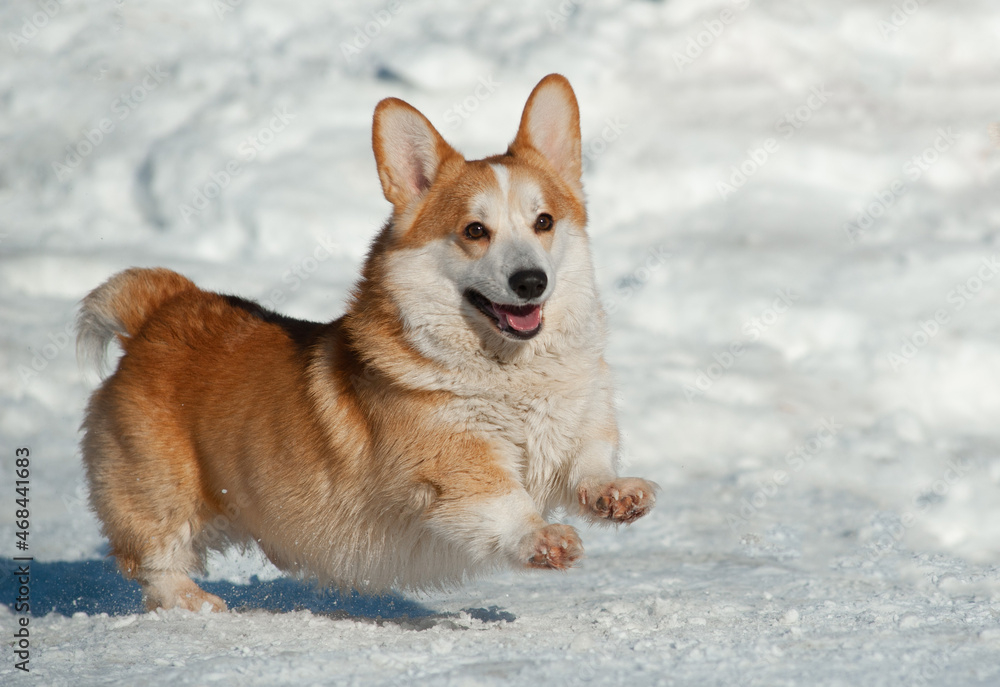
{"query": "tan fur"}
[(345, 450)]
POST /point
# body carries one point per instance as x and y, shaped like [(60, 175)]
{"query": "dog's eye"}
[(544, 222), (475, 231)]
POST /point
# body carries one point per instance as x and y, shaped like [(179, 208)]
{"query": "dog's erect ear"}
[(551, 125), (409, 151)]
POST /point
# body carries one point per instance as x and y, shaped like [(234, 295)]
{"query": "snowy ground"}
[(790, 309)]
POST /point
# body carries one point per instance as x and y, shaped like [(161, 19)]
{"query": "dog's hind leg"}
[(145, 489), (176, 590), (164, 574)]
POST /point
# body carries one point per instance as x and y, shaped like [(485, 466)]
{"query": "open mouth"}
[(515, 321)]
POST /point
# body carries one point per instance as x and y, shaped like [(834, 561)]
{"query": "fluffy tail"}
[(120, 306)]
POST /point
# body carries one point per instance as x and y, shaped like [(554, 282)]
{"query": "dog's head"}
[(493, 248)]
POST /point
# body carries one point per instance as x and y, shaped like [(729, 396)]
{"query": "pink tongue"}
[(525, 320)]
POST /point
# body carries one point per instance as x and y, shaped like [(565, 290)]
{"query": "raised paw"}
[(553, 547), (621, 500)]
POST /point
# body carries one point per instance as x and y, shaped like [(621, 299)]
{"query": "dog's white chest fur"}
[(537, 413)]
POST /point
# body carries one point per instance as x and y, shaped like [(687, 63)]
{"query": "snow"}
[(867, 558)]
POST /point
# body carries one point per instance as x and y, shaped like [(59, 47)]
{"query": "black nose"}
[(528, 284)]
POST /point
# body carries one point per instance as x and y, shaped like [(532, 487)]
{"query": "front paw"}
[(625, 499), (554, 547)]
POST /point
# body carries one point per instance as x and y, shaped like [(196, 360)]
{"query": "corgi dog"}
[(420, 439)]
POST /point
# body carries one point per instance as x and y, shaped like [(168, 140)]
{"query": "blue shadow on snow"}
[(96, 586)]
